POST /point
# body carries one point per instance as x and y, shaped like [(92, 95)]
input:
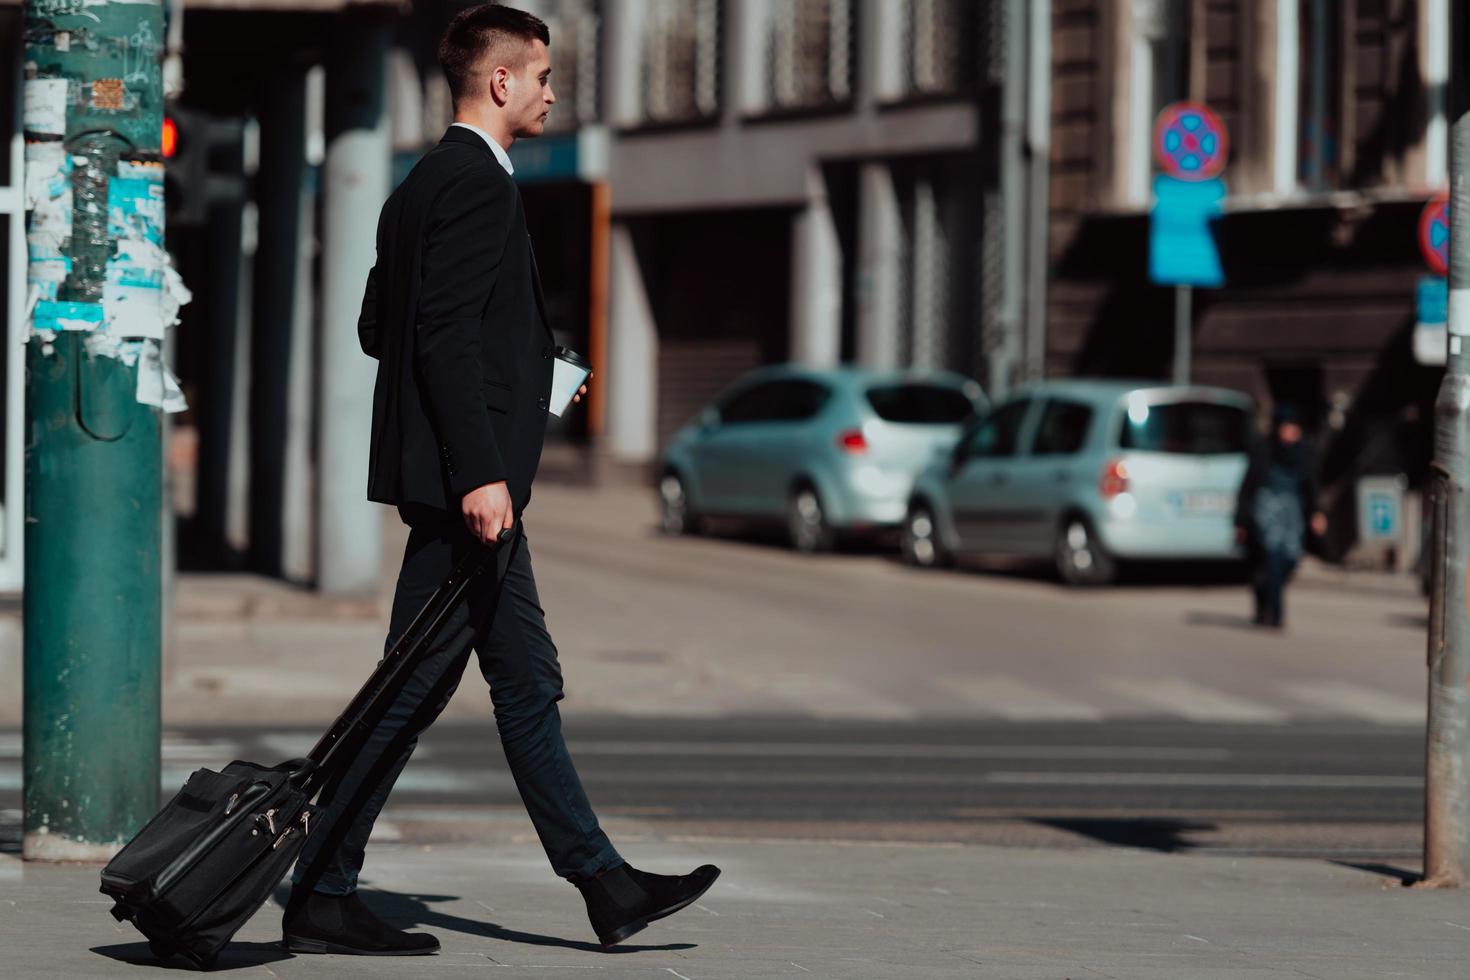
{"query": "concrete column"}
[(622, 27), (929, 275), (816, 280), (355, 183), (880, 268), (632, 355)]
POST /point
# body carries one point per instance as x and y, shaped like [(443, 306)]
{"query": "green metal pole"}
[(92, 607)]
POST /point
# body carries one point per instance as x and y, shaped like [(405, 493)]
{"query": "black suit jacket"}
[(454, 314)]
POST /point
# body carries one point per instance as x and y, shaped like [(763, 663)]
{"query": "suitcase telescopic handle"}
[(429, 620)]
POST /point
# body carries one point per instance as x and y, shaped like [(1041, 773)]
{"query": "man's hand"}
[(488, 511), (582, 390), (1319, 524)]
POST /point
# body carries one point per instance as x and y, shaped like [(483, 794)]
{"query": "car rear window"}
[(1195, 428), (922, 403)]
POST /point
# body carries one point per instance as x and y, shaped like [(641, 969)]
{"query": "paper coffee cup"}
[(571, 370)]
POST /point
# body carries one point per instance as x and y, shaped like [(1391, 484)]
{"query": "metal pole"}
[(1038, 189), (355, 177), (1447, 775), (1183, 333), (92, 607)]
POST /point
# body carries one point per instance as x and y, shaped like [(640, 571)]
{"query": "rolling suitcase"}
[(212, 856)]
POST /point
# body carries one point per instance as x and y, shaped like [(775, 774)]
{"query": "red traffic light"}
[(170, 137)]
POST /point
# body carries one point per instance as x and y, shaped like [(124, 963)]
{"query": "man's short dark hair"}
[(488, 29)]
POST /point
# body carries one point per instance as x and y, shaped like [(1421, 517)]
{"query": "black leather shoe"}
[(316, 923), (624, 901)]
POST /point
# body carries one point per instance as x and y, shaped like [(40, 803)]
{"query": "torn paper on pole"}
[(157, 385), (45, 106)]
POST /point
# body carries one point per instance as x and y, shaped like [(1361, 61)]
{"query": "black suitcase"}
[(212, 856)]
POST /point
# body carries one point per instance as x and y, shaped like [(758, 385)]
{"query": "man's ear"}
[(499, 85)]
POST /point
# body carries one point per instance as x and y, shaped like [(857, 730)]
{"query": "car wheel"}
[(674, 511), (1080, 557), (922, 546), (806, 522)]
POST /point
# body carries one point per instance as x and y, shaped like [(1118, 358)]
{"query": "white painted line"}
[(1177, 696), (1264, 780), (893, 750), (676, 973), (1017, 700), (1340, 697), (823, 696)]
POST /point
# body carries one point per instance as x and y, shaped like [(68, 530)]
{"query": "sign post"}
[(1191, 145)]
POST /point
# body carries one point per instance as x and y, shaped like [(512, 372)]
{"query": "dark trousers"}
[(1272, 571), (518, 660)]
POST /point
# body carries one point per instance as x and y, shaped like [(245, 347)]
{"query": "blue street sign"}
[(1432, 309), (1383, 515), (1181, 245)]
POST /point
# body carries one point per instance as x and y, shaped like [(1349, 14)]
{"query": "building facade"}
[(1338, 138), (810, 181)]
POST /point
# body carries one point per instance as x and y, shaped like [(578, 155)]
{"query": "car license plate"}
[(1204, 503)]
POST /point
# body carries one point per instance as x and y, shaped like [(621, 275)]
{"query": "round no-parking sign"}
[(1434, 234), (1191, 141)]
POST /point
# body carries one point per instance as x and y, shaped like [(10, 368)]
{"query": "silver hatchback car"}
[(826, 450), (1088, 473)]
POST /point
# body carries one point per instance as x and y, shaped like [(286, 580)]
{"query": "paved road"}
[(652, 627), (1321, 790), (725, 686)]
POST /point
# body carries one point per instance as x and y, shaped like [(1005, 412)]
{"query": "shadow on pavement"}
[(1404, 875), (1221, 619), (1409, 621), (414, 911), (235, 956), (1144, 833)]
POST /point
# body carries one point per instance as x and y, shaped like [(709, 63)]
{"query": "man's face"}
[(1289, 433), (529, 96)]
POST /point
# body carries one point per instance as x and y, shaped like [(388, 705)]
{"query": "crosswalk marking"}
[(1340, 697), (834, 698), (1016, 700), (1196, 702)]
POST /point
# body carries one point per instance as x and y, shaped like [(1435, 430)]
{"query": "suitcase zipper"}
[(184, 861), (205, 905)]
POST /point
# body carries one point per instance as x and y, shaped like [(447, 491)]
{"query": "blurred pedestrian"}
[(1276, 510), (454, 314)]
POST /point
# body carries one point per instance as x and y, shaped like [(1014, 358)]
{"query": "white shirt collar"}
[(495, 147)]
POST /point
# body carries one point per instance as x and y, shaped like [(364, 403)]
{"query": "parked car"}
[(825, 450), (1089, 473)]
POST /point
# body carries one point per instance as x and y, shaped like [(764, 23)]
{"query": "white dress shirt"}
[(495, 147)]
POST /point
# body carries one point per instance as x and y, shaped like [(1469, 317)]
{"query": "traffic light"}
[(203, 164)]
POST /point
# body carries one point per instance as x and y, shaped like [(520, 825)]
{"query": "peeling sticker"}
[(132, 293), (45, 106), (109, 95), (59, 316), (156, 384)]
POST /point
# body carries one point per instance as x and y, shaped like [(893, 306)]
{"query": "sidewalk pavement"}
[(802, 909)]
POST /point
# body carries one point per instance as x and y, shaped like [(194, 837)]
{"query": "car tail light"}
[(1114, 479), (852, 441)]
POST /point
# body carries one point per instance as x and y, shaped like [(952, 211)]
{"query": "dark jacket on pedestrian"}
[(1284, 471), (454, 314)]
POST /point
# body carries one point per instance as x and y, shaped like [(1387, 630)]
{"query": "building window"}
[(1160, 75), (810, 52), (1320, 93), (942, 46), (680, 60), (576, 40)]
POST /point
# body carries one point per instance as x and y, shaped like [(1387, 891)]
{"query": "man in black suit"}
[(454, 315)]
